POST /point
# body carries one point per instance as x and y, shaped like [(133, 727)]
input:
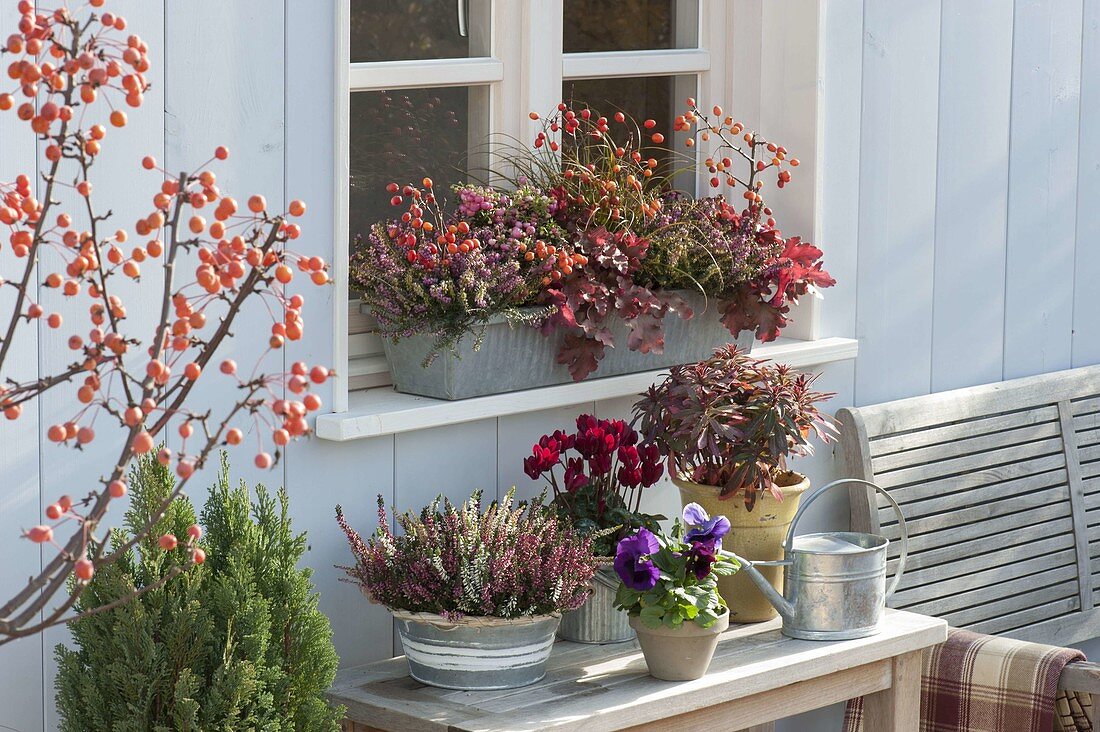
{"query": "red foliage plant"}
[(64, 62), (730, 421)]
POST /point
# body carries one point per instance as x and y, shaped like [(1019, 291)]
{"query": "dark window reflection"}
[(400, 30), (629, 25), (402, 136), (659, 98)]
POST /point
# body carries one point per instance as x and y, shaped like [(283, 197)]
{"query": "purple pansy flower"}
[(704, 528), (632, 562), (699, 559)]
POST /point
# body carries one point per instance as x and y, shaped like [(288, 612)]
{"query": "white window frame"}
[(525, 71)]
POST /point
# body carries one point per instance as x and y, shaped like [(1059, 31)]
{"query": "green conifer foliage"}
[(236, 643)]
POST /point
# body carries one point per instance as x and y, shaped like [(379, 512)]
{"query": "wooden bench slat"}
[(906, 596), (976, 496), (973, 563), (931, 436), (991, 593), (972, 447), (988, 527), (1086, 405), (1084, 422), (1024, 618), (989, 461), (960, 549), (958, 520), (1009, 605), (974, 478)]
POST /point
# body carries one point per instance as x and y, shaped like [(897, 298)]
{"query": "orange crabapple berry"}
[(83, 569), (164, 456), (198, 556), (118, 118), (53, 512), (185, 468), (257, 204), (66, 502), (13, 412), (116, 489), (168, 542), (234, 436), (221, 152), (263, 460), (186, 430), (228, 367), (40, 534), (143, 442), (194, 531), (148, 162)]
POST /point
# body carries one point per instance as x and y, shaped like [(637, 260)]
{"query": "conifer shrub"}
[(235, 643)]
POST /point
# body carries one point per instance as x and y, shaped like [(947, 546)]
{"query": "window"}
[(450, 74)]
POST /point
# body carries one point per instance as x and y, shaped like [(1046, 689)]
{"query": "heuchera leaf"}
[(747, 311), (581, 355), (646, 334)]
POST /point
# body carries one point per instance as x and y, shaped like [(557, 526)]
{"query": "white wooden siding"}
[(953, 231)]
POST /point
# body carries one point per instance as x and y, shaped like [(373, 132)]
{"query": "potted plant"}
[(597, 475), (669, 591), (728, 424), (593, 247), (477, 593)]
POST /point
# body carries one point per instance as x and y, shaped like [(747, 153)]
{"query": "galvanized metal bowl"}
[(597, 621), (476, 653)]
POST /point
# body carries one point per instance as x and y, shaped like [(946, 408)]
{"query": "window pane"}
[(659, 98), (630, 25), (402, 136), (384, 30)]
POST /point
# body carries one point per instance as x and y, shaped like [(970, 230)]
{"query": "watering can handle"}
[(789, 542)]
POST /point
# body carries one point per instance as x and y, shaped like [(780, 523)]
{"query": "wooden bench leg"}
[(896, 709)]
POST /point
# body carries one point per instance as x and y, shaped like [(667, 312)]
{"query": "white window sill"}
[(383, 411)]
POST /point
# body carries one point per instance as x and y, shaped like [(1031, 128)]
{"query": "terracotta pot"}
[(679, 654), (755, 535)]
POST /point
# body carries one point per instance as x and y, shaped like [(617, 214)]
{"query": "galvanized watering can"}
[(834, 586)]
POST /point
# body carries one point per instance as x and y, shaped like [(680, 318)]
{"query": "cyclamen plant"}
[(730, 421), (65, 62), (670, 579), (600, 490), (506, 561), (446, 273)]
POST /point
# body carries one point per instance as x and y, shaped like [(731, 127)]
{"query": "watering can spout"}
[(780, 603)]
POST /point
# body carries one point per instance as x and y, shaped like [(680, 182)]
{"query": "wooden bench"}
[(1000, 486)]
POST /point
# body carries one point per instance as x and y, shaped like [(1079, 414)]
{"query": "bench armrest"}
[(1082, 676)]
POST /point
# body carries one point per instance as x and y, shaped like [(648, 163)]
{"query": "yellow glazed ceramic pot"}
[(754, 535)]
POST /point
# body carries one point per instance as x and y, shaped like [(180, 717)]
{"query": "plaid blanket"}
[(983, 683)]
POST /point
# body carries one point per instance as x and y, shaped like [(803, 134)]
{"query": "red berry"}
[(84, 569), (168, 542)]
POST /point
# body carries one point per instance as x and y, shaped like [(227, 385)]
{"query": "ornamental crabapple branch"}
[(66, 75)]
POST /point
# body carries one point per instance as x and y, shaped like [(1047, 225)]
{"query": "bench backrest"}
[(1000, 487)]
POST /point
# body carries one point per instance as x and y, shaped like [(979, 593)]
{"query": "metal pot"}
[(597, 621), (835, 583), (476, 653)]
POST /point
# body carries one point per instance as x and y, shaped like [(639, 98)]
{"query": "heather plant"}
[(236, 643), (506, 561), (671, 579), (730, 421), (444, 274), (604, 468)]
